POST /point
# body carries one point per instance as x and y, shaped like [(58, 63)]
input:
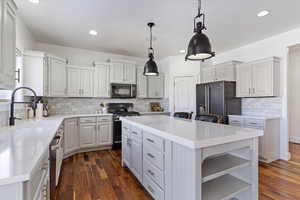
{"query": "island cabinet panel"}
[(173, 169)]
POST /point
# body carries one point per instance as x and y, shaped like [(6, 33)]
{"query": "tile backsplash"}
[(61, 106), (262, 106)]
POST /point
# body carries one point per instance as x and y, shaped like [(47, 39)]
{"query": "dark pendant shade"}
[(199, 48), (150, 68)]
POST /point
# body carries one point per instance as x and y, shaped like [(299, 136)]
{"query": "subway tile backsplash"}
[(262, 106), (61, 106)]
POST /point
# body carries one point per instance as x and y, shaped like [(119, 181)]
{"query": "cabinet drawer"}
[(154, 173), (153, 156), (104, 119), (236, 121), (152, 188), (87, 119), (254, 123), (154, 141), (136, 133)]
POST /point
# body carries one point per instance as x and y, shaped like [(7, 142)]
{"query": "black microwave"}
[(119, 90)]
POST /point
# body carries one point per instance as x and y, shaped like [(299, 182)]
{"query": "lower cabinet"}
[(87, 134), (104, 134), (71, 141), (143, 154)]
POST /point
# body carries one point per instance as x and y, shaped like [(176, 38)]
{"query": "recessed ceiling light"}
[(93, 32), (34, 1), (263, 13), (182, 51)]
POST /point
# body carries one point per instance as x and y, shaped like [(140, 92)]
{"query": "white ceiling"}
[(122, 23)]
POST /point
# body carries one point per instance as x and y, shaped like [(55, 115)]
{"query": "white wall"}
[(82, 57), (273, 46), (176, 66)]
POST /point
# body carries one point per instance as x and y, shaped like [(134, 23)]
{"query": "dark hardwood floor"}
[(99, 176)]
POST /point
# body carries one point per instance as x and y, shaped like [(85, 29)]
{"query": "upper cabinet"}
[(101, 80), (44, 73), (220, 72), (151, 86), (8, 44), (80, 81), (259, 78), (123, 72)]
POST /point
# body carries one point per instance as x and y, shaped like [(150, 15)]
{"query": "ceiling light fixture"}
[(199, 48), (34, 1), (93, 32), (263, 13), (150, 68)]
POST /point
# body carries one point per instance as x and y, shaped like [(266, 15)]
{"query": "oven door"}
[(123, 90)]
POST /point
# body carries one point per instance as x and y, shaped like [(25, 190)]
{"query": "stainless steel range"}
[(119, 110)]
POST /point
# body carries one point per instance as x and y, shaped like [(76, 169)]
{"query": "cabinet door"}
[(101, 79), (208, 75), (104, 134), (86, 82), (141, 84), (117, 73), (262, 79), (136, 159), (87, 134), (73, 82), (243, 80), (225, 73), (71, 137), (129, 73), (156, 86), (126, 147), (58, 77), (8, 47)]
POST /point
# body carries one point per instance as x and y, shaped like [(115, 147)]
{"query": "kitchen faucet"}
[(12, 104)]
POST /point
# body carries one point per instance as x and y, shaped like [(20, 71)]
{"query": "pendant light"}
[(199, 47), (150, 68)]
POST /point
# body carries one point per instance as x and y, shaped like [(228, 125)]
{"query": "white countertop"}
[(155, 113), (255, 117), (191, 133), (22, 146)]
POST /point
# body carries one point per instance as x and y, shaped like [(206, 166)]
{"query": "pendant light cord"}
[(150, 37), (199, 7)]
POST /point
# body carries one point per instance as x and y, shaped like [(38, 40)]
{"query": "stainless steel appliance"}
[(218, 99), (123, 90), (56, 156), (119, 110)]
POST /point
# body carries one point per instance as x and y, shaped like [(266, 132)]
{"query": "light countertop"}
[(256, 117), (22, 146), (191, 133)]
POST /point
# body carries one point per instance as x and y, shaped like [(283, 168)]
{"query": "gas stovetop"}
[(121, 110)]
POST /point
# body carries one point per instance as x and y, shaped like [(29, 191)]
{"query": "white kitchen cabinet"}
[(57, 77), (123, 72), (45, 73), (87, 134), (142, 84), (80, 81), (104, 133), (260, 78), (8, 44), (136, 165), (71, 135), (269, 143), (126, 145), (220, 72), (156, 86), (101, 80)]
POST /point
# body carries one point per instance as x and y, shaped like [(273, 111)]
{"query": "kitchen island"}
[(177, 159)]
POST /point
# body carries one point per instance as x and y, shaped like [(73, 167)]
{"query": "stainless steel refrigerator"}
[(218, 99)]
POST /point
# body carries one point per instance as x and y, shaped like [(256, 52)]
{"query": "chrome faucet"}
[(12, 104)]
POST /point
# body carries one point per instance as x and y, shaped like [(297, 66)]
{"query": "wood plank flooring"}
[(99, 176)]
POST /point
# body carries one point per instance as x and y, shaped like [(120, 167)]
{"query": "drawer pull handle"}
[(125, 128), (134, 132), (151, 173), (151, 189), (253, 123), (150, 140), (150, 155)]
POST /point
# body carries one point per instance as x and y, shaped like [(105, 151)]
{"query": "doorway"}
[(184, 94)]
